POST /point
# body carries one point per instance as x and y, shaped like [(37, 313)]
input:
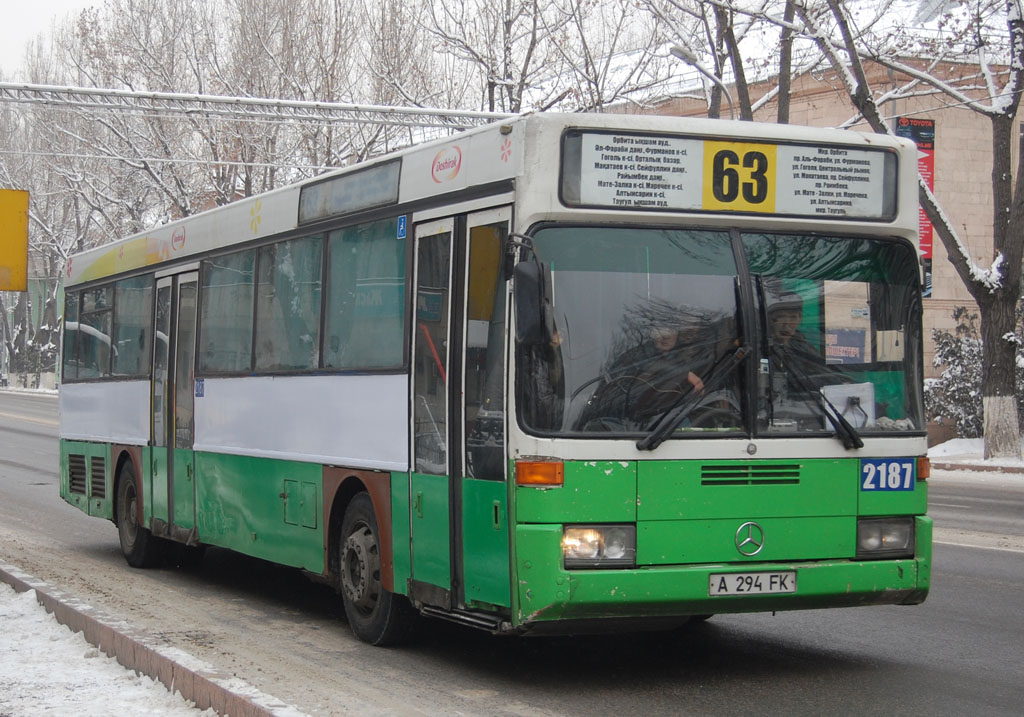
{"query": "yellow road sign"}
[(13, 240)]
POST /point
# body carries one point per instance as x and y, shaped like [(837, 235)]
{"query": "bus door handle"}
[(497, 515), (419, 504)]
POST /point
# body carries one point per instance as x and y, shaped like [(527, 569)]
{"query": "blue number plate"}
[(887, 474)]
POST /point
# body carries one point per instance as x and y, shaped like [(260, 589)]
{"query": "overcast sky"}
[(23, 20)]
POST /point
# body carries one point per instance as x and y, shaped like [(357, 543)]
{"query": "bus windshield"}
[(650, 323)]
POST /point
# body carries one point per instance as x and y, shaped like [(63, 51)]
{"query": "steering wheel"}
[(715, 417)]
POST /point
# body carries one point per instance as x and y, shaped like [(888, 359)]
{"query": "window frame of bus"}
[(72, 351), (320, 200), (328, 239), (67, 349), (570, 174)]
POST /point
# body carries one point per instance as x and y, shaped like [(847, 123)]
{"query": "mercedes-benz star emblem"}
[(749, 538)]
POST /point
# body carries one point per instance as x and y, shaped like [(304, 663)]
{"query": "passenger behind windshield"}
[(788, 344), (659, 359), (798, 369)]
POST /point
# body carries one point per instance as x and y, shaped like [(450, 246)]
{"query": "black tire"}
[(138, 545), (376, 615)]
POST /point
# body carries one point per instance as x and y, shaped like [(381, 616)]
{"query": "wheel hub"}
[(360, 569)]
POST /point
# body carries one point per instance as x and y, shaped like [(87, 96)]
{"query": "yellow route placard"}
[(739, 177), (13, 240)]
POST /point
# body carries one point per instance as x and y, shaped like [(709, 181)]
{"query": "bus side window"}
[(288, 305), (365, 307), (133, 318), (70, 355), (485, 355), (225, 312)]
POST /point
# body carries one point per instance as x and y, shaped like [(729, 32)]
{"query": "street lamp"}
[(686, 55)]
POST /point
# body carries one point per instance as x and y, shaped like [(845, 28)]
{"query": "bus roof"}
[(493, 153)]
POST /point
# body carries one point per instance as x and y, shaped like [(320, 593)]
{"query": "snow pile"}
[(971, 451), (47, 669)]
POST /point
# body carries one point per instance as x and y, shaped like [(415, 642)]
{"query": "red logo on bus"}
[(178, 238), (446, 165)]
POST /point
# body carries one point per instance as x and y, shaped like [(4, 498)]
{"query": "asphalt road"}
[(958, 653)]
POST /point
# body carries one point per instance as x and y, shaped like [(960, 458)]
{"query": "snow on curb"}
[(177, 670)]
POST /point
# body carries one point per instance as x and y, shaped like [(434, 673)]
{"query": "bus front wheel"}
[(138, 545), (376, 615)]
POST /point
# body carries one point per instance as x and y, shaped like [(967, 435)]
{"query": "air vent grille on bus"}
[(76, 473), (751, 474), (98, 477)]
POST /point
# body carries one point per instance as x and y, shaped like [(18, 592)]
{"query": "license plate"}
[(751, 583)]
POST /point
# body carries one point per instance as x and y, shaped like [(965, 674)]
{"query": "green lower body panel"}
[(485, 542), (431, 532), (85, 477), (400, 540), (267, 508), (667, 542), (184, 489), (548, 592)]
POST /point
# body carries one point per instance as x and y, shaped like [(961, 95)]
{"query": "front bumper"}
[(548, 593)]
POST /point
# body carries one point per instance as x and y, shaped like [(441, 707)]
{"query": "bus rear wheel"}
[(376, 615), (138, 545)]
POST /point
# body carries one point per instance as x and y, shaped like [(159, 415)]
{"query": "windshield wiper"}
[(671, 419), (843, 428)]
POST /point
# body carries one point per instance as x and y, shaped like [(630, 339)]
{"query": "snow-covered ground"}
[(970, 452), (47, 669)]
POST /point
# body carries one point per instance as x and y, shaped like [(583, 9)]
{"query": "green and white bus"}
[(557, 374)]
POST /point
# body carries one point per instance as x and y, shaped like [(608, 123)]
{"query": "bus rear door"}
[(173, 402)]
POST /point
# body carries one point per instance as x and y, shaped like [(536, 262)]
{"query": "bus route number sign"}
[(677, 173), (887, 474), (739, 177)]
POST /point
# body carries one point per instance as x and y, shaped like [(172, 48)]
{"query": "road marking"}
[(1006, 549), (932, 504), (19, 417)]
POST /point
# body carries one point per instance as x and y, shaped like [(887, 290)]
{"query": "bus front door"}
[(458, 493), (429, 483), (173, 400)]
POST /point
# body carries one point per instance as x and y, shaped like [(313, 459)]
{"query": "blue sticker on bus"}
[(401, 227), (887, 474), (200, 387)]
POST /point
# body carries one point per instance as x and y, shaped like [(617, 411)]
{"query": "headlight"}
[(599, 546), (885, 537)]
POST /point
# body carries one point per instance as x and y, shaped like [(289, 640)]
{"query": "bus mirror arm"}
[(531, 305), (515, 243), (531, 292)]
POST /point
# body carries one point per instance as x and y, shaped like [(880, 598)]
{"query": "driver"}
[(645, 381)]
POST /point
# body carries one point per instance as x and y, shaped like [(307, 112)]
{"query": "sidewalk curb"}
[(204, 685), (936, 465)]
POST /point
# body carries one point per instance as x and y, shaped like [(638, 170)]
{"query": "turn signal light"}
[(540, 473), (924, 468)]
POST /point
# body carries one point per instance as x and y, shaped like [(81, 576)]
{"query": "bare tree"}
[(608, 53), (991, 39), (966, 56), (507, 43), (726, 44)]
